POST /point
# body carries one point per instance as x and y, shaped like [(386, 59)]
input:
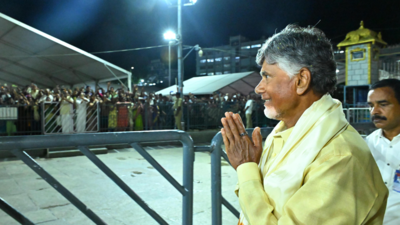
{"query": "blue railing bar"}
[(15, 214), (188, 163), (87, 139), (216, 197), (57, 185), (85, 150), (159, 168), (202, 148), (230, 207)]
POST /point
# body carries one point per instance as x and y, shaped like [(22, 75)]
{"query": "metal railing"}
[(18, 145), (20, 120), (80, 119), (358, 115)]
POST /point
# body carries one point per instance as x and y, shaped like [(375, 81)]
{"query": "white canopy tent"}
[(28, 55), (243, 83)]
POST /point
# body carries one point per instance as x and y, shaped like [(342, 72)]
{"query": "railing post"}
[(216, 198)]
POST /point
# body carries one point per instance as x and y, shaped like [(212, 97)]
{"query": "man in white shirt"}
[(384, 101), (248, 108)]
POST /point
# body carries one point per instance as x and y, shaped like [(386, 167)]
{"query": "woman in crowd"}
[(81, 103)]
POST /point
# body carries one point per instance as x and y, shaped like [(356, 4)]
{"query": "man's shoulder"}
[(347, 144)]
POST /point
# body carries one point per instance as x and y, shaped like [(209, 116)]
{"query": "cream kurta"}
[(341, 184)]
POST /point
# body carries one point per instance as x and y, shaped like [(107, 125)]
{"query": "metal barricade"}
[(358, 115), (20, 120), (76, 120), (18, 145)]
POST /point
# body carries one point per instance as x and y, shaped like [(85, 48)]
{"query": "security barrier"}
[(20, 120), (81, 119), (18, 145)]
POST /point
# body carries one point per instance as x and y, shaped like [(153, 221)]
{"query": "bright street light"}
[(169, 35)]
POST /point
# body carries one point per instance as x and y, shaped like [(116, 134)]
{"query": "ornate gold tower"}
[(362, 55)]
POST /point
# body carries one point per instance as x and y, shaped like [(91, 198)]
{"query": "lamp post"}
[(171, 36), (180, 40)]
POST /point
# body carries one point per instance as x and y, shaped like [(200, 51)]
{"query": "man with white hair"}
[(314, 168)]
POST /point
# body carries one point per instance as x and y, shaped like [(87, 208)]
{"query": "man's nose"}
[(259, 88), (375, 110)]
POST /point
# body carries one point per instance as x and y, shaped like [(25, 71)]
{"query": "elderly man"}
[(315, 168), (384, 143)]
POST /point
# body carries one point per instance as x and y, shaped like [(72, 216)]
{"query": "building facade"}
[(238, 56)]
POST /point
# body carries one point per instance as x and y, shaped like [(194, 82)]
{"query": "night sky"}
[(102, 25)]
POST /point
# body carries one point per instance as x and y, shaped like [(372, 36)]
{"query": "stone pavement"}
[(37, 200)]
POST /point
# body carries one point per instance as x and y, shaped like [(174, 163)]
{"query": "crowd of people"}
[(82, 109)]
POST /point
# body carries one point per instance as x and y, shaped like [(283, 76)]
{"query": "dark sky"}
[(101, 25)]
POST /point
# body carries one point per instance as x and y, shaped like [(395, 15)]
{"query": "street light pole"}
[(169, 64), (180, 60)]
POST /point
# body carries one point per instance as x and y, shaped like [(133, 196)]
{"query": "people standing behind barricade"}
[(178, 110), (92, 113), (81, 112), (249, 111), (104, 112), (138, 110), (66, 112), (122, 115)]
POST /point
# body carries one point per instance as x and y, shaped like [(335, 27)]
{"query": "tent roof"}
[(29, 55), (243, 83)]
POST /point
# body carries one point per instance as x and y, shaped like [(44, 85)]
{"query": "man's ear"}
[(303, 82)]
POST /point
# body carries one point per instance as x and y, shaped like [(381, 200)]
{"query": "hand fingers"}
[(227, 129), (239, 123), (232, 125), (257, 137), (225, 139)]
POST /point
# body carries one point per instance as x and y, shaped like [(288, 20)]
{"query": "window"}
[(203, 74), (210, 74), (225, 72), (218, 73), (256, 46), (218, 59), (210, 60), (227, 65), (245, 47), (358, 54), (237, 59), (203, 61), (227, 58)]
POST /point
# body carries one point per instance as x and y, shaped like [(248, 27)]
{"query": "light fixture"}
[(169, 35)]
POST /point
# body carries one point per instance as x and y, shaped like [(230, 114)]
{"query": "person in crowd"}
[(88, 90), (178, 110), (81, 112), (66, 112), (92, 113), (384, 143), (248, 108), (123, 114), (112, 116), (315, 168), (138, 111)]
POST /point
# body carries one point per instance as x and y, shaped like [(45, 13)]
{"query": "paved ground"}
[(41, 203)]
